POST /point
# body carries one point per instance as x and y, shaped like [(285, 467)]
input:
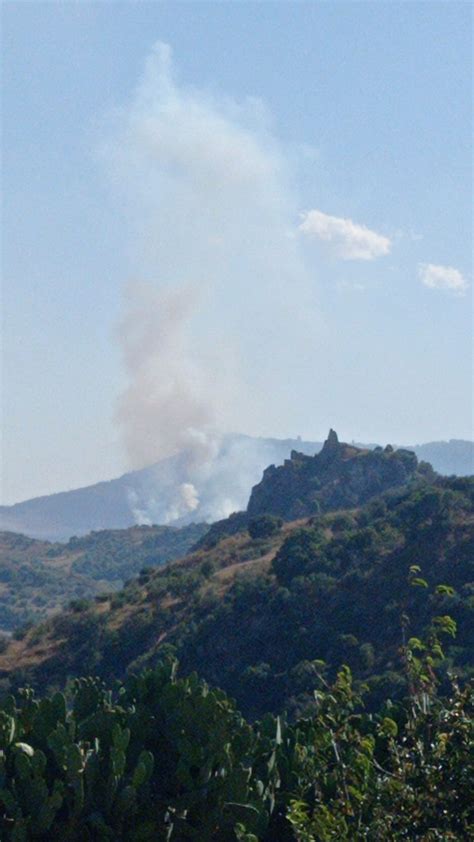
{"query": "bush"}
[(298, 554), (20, 633), (264, 526), (79, 605)]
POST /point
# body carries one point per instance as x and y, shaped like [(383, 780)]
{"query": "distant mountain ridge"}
[(222, 484)]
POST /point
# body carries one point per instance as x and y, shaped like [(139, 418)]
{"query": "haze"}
[(231, 217)]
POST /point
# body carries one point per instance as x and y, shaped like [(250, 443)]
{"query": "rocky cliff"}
[(340, 476)]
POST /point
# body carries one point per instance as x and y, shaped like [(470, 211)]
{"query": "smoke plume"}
[(166, 397), (205, 189)]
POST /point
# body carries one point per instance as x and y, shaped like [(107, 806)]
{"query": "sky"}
[(236, 216)]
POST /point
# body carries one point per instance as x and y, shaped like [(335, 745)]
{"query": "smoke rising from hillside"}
[(205, 187), (166, 397)]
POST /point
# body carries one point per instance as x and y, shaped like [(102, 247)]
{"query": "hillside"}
[(222, 475), (340, 476), (253, 616), (37, 578)]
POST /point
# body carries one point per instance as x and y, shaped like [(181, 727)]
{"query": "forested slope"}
[(252, 615), (37, 578)]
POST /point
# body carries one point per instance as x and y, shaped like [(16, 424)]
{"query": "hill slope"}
[(339, 476), (222, 474), (37, 578), (252, 615), (222, 477)]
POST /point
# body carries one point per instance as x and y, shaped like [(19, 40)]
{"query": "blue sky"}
[(268, 230)]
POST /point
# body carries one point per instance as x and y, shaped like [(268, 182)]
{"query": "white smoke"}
[(177, 505), (166, 394), (204, 187)]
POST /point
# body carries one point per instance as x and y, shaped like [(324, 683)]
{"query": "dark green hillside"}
[(37, 578), (378, 750), (336, 591), (253, 615)]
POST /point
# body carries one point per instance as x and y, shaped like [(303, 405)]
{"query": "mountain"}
[(451, 458), (221, 474), (339, 476), (37, 578), (254, 615)]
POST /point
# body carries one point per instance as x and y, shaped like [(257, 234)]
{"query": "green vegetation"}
[(117, 555), (38, 578), (252, 616), (166, 758), (337, 591), (264, 526)]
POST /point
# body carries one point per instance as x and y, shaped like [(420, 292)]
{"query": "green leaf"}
[(20, 831), (445, 590), (419, 583), (389, 727), (416, 644), (143, 769), (446, 624)]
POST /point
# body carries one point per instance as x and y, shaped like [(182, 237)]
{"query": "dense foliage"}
[(264, 526), (164, 758), (109, 555), (36, 580), (253, 615), (339, 593)]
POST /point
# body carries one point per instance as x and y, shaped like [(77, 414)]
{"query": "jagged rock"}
[(332, 441), (340, 476)]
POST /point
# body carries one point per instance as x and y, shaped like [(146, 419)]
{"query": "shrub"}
[(297, 554), (264, 526)]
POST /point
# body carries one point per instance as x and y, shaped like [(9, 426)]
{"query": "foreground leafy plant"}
[(168, 758)]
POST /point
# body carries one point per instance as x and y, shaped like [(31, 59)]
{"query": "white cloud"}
[(352, 241), (442, 277)]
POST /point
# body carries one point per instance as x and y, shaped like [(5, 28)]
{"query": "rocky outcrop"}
[(340, 476)]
